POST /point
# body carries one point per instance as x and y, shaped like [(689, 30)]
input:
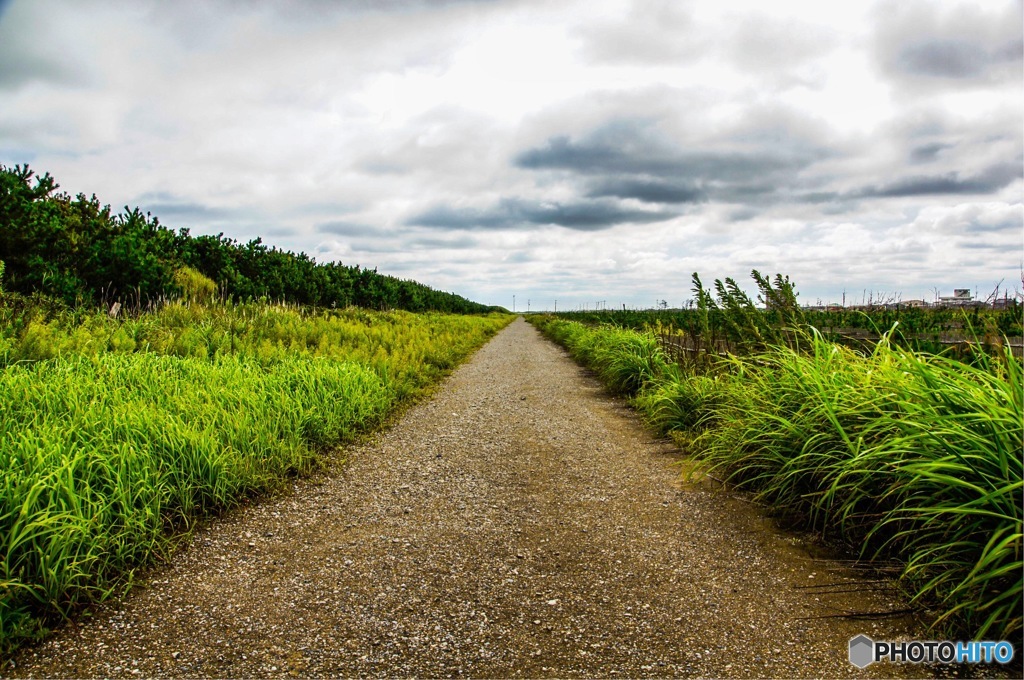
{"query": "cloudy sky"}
[(588, 151)]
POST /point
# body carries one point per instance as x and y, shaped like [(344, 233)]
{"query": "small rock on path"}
[(519, 524)]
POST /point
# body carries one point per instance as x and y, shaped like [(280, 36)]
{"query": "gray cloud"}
[(949, 58), (945, 58), (519, 257), (763, 164), (814, 197), (376, 246), (742, 215), (987, 227), (628, 148), (275, 231), (176, 212), (927, 152), (649, 190), (563, 154), (590, 216), (32, 50), (1007, 226), (444, 216), (196, 24), (381, 167), (184, 212), (321, 9), (344, 228), (754, 192), (458, 243), (931, 42), (992, 179), (509, 213), (635, 159), (18, 67)]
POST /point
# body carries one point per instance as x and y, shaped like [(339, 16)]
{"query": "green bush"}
[(907, 456), (194, 286)]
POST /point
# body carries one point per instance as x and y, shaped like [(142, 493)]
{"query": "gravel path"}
[(520, 523)]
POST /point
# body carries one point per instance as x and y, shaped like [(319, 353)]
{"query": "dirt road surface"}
[(521, 523)]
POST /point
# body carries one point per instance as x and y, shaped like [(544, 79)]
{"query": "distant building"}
[(961, 297)]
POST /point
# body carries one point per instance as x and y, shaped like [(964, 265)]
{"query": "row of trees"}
[(76, 250)]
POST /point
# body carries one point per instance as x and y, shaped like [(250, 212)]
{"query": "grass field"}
[(907, 457), (116, 436)]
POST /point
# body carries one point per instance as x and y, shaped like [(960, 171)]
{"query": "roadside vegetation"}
[(116, 436), (718, 321), (150, 379), (909, 458), (78, 251)]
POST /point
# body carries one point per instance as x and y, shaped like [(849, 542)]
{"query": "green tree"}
[(75, 250)]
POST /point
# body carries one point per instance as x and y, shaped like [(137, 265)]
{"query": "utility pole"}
[(527, 304), (556, 306), (513, 304)]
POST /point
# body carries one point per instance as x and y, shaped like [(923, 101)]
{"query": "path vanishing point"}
[(520, 523)]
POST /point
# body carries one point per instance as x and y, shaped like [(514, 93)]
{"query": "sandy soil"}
[(520, 523)]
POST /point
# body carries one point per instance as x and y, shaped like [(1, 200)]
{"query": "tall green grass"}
[(101, 456), (413, 349), (625, 359), (908, 457), (116, 436)]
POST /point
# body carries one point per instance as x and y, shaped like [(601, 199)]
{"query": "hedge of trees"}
[(76, 250)]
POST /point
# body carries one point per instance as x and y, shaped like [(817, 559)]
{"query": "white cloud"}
[(851, 146)]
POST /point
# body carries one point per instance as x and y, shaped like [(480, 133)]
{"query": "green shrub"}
[(194, 286), (907, 456)]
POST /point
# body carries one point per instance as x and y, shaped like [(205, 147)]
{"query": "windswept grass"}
[(117, 436), (908, 457), (102, 455), (625, 359)]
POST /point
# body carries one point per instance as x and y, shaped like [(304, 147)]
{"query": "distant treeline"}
[(77, 251), (726, 319)]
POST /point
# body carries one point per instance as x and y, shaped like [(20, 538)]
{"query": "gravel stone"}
[(520, 523)]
